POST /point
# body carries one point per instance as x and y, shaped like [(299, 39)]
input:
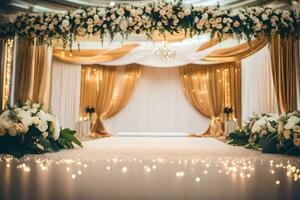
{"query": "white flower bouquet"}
[(264, 126), (289, 131), (270, 133), (28, 128)]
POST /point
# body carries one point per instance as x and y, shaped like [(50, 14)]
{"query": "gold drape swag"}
[(108, 89), (33, 73), (210, 88), (93, 56), (285, 61), (235, 53)]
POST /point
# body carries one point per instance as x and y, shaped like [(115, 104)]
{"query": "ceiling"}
[(10, 8)]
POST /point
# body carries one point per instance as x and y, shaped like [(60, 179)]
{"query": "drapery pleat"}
[(210, 88), (125, 88), (99, 88), (97, 85), (65, 92), (33, 73), (88, 57), (258, 96), (236, 53), (23, 74), (284, 57)]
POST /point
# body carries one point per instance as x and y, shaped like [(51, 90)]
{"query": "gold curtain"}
[(285, 60), (33, 73), (209, 88), (130, 75), (24, 55), (101, 89), (236, 53), (92, 56)]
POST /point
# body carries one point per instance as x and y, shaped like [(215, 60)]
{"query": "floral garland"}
[(163, 17), (28, 128), (270, 133)]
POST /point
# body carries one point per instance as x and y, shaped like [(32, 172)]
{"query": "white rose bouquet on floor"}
[(28, 128), (289, 132), (263, 127)]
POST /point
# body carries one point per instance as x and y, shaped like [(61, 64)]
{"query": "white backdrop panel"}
[(258, 93), (65, 92), (158, 105)]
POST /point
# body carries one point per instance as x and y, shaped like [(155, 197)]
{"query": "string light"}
[(7, 71)]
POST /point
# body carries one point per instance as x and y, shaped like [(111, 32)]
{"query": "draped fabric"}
[(65, 93), (258, 92), (99, 89), (97, 85), (124, 89), (93, 56), (285, 60), (237, 52), (23, 74), (33, 73), (158, 106), (210, 88)]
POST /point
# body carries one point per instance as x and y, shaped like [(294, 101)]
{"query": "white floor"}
[(151, 168)]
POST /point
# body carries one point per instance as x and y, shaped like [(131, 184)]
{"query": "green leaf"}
[(69, 137)]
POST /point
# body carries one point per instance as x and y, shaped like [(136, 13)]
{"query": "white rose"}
[(289, 125), (296, 129), (65, 23), (286, 134), (297, 141), (187, 12), (242, 17), (90, 21), (219, 26), (121, 12), (140, 11), (51, 26), (56, 128), (205, 16), (36, 120), (148, 9), (264, 17), (77, 21), (123, 25), (162, 12), (36, 105), (90, 28), (180, 15), (42, 115), (45, 134), (33, 110), (42, 126)]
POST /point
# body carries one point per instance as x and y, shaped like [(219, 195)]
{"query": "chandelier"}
[(164, 52)]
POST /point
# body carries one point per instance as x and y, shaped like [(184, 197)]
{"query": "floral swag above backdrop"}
[(107, 22)]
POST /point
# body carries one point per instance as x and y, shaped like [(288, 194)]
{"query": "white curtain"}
[(65, 92), (258, 93), (158, 105)]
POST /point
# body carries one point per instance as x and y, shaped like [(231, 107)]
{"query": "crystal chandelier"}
[(164, 52)]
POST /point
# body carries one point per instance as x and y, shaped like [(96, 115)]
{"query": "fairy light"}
[(7, 72)]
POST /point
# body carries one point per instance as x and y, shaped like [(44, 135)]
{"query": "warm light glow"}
[(7, 72)]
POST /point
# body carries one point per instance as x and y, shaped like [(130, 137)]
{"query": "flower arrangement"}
[(270, 133), (289, 131), (228, 110), (28, 128), (163, 17), (90, 110)]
